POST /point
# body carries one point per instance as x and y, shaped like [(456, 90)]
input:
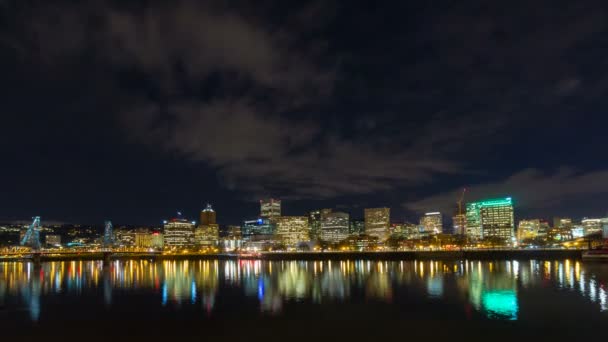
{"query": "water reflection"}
[(491, 289)]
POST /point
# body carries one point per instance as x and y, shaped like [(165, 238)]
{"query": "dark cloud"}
[(309, 100), (530, 188)]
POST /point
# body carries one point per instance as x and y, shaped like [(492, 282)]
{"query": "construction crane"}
[(460, 200), (460, 216)]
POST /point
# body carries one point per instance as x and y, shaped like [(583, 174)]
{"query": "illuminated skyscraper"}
[(208, 231), (357, 227), (432, 223), (207, 216), (490, 218), (334, 227), (459, 223), (178, 233), (270, 208), (377, 222), (292, 229), (314, 222)]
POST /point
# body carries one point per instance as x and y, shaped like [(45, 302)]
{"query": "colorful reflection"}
[(492, 289)]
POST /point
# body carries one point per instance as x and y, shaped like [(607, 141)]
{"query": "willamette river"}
[(305, 300)]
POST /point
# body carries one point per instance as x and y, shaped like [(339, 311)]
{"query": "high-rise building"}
[(490, 218), (178, 233), (528, 229), (432, 223), (258, 230), (357, 227), (314, 224), (334, 227), (292, 229), (234, 232), (459, 223), (591, 225), (270, 208), (207, 216), (377, 222)]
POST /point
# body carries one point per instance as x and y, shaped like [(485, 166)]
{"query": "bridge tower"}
[(32, 235), (108, 235)]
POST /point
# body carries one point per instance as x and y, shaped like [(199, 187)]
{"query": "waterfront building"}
[(528, 229), (490, 218), (459, 224), (270, 208), (334, 227), (53, 240), (292, 230), (258, 234), (207, 235), (432, 223), (377, 222), (144, 239), (178, 233), (314, 222), (207, 216), (591, 225)]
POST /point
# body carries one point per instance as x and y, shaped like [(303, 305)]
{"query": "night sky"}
[(132, 110)]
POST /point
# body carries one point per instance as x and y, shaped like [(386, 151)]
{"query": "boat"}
[(596, 254)]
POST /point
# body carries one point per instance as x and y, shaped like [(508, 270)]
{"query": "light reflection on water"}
[(490, 288)]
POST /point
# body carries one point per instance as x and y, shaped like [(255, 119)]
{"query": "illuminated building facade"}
[(257, 230), (149, 240), (459, 224), (432, 223), (528, 229), (591, 225), (207, 235), (178, 233), (490, 218), (292, 230), (314, 222), (334, 227), (377, 222), (270, 208), (207, 216)]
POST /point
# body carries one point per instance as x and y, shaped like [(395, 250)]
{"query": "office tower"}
[(334, 227), (314, 224), (528, 229), (207, 216), (591, 225), (490, 218), (270, 208), (258, 230), (459, 223), (208, 231), (432, 223), (145, 239), (377, 222), (292, 229), (178, 233), (357, 227)]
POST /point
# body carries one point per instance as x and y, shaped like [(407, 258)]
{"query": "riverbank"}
[(503, 254)]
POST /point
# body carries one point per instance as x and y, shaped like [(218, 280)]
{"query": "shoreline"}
[(310, 256)]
